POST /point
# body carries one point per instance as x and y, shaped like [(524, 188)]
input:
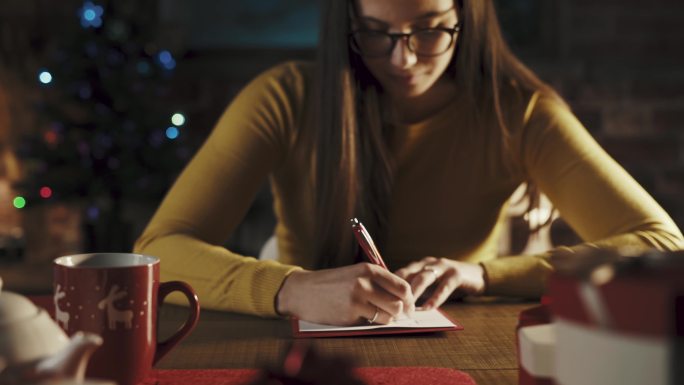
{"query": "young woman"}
[(417, 119)]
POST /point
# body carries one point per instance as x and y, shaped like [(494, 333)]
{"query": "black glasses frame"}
[(395, 36)]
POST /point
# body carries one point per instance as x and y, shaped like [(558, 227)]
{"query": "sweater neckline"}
[(446, 111)]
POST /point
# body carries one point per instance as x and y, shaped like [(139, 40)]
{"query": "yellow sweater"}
[(449, 197)]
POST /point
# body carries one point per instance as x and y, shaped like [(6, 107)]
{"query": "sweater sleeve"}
[(213, 193), (605, 206)]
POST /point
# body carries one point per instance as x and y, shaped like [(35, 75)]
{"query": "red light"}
[(51, 138), (45, 192)]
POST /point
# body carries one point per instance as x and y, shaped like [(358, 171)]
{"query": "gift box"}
[(536, 346), (618, 319)]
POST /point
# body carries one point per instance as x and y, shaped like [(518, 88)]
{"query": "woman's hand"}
[(345, 296), (446, 275)]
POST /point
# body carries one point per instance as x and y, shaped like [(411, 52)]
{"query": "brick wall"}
[(620, 65)]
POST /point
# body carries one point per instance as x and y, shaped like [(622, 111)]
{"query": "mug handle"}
[(166, 288)]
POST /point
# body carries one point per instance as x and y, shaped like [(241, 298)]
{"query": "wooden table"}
[(485, 349)]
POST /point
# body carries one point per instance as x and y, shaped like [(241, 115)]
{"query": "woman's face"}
[(404, 73)]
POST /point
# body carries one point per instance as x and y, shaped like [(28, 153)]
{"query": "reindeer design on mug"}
[(60, 315), (115, 315)]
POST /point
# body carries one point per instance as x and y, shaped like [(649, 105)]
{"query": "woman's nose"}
[(402, 56)]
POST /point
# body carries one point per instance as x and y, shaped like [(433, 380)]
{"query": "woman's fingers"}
[(393, 290), (415, 267), (422, 274), (424, 279), (373, 314), (388, 303), (444, 288), (352, 294), (445, 276)]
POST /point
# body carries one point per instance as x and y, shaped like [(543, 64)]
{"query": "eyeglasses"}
[(422, 42)]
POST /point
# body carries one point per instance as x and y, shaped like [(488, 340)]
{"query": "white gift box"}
[(588, 355), (537, 346)]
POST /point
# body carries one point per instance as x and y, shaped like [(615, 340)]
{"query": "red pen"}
[(367, 243)]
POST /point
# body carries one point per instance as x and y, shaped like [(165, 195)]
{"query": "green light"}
[(19, 202), (178, 119)]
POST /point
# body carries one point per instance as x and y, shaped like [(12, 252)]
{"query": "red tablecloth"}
[(372, 376)]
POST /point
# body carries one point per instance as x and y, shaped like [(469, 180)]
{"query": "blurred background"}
[(103, 102)]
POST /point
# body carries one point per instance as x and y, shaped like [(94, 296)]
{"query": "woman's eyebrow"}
[(423, 17)]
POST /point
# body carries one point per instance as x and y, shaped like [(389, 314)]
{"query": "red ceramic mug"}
[(116, 295)]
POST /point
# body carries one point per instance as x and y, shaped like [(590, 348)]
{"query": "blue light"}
[(172, 132), (45, 77), (165, 57), (171, 64), (166, 60), (91, 15)]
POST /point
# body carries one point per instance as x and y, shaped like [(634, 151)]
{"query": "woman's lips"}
[(406, 78)]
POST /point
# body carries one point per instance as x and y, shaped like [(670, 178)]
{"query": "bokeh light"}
[(19, 202), (51, 137), (45, 77), (91, 15), (45, 192), (166, 60), (172, 132), (178, 119)]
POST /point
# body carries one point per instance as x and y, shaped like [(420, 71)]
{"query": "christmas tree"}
[(106, 133)]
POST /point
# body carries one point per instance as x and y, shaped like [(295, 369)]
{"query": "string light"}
[(19, 202), (45, 77), (166, 60), (91, 15), (172, 132), (45, 192), (178, 119)]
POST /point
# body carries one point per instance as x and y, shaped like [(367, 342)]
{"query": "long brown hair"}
[(352, 167)]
